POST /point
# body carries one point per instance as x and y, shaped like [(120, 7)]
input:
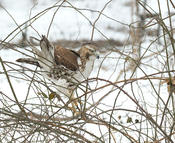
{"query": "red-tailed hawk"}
[(64, 67)]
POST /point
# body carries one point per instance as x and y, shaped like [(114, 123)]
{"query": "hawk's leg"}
[(74, 102)]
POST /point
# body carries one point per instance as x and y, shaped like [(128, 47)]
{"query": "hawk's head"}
[(87, 54)]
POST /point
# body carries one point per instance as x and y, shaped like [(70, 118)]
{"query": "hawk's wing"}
[(66, 58)]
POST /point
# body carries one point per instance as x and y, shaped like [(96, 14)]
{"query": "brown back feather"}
[(66, 58)]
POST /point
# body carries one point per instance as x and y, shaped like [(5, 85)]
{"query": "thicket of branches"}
[(134, 104)]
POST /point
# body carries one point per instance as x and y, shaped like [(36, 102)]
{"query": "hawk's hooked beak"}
[(97, 56)]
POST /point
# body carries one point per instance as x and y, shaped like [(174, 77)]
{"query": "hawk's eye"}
[(92, 51), (87, 55)]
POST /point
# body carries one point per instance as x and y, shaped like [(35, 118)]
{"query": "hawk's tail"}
[(29, 61)]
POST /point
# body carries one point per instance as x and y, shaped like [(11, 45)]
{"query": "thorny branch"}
[(116, 103)]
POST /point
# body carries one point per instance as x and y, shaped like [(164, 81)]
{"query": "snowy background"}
[(73, 21)]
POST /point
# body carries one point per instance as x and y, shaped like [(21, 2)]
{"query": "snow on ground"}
[(66, 18)]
